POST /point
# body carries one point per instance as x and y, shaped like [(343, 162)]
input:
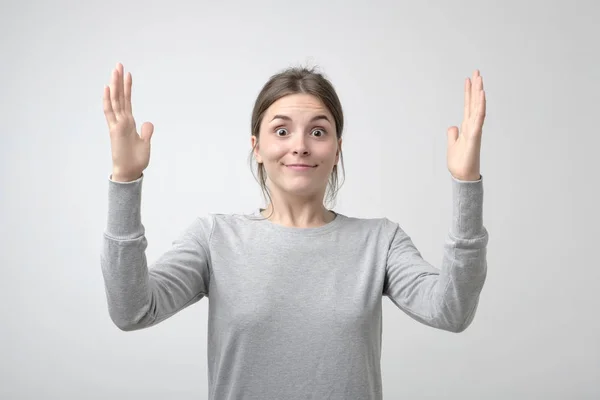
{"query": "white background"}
[(399, 68)]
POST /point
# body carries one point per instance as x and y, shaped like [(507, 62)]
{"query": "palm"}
[(464, 150), (130, 150)]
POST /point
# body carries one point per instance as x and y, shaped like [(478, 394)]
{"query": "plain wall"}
[(399, 68)]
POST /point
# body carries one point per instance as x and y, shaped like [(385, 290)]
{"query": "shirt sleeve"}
[(447, 297), (139, 296)]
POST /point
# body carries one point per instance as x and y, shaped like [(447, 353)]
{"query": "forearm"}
[(464, 264), (123, 258)]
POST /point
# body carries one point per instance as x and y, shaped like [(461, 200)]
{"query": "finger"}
[(474, 92), (121, 86), (467, 111), (481, 109), (452, 135), (147, 131), (476, 98), (109, 113), (127, 91), (479, 89), (114, 92)]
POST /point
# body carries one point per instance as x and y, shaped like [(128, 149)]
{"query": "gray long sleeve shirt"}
[(294, 313)]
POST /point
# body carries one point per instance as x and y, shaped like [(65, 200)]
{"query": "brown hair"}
[(296, 80)]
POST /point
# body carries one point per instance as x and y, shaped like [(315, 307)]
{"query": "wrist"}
[(123, 178)]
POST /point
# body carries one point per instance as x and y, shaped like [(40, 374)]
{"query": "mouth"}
[(300, 167)]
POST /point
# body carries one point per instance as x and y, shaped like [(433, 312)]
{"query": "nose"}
[(300, 147)]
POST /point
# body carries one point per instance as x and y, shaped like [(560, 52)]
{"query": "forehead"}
[(298, 103)]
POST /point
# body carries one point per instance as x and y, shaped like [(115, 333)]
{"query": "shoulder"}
[(204, 226), (381, 225), (240, 225)]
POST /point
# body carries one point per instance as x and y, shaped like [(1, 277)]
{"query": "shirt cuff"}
[(124, 209), (467, 208)]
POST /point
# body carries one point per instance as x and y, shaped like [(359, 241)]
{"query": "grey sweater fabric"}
[(294, 313)]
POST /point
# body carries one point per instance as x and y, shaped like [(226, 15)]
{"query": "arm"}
[(444, 298), (138, 296)]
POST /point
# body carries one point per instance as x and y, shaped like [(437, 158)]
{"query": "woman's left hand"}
[(464, 150)]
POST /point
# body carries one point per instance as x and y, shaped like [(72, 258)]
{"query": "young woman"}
[(295, 289)]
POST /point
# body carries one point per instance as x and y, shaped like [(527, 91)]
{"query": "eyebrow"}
[(315, 118)]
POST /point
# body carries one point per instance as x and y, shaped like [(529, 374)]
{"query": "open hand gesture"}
[(130, 150), (464, 150)]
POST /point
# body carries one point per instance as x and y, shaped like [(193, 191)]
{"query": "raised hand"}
[(464, 150), (130, 150)]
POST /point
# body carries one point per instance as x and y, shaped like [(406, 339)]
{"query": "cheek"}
[(328, 154), (273, 152)]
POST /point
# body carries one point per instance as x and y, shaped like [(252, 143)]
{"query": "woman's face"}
[(298, 145)]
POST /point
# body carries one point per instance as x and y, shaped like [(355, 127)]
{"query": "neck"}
[(307, 215)]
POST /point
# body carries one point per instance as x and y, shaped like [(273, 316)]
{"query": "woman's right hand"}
[(130, 150)]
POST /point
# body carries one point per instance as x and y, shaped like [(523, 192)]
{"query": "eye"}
[(280, 130), (320, 131)]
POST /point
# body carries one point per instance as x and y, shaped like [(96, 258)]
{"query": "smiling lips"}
[(300, 167)]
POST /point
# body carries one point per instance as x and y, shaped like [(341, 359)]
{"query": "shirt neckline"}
[(317, 230)]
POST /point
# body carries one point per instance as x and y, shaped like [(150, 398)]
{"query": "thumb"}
[(147, 131), (452, 135)]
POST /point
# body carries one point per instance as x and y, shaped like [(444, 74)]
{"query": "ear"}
[(339, 150), (254, 142)]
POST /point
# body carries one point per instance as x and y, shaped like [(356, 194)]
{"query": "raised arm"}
[(139, 295), (446, 297)]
